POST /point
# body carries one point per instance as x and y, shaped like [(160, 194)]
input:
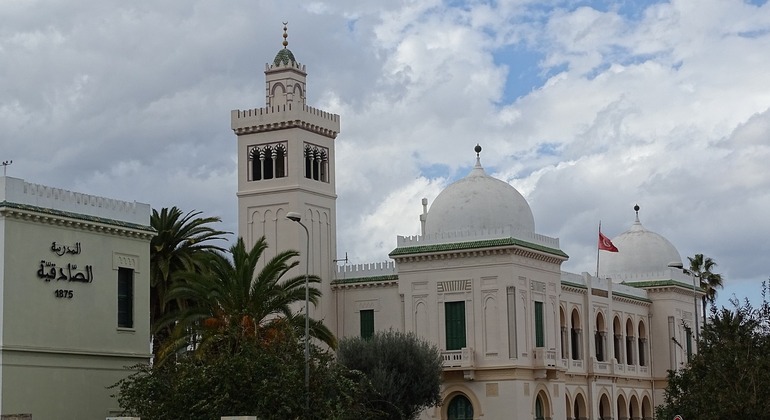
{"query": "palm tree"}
[(184, 244), (702, 268), (233, 304)]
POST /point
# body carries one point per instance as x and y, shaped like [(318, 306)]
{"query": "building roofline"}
[(487, 243)]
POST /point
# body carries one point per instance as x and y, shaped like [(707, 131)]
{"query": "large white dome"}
[(639, 251), (478, 202)]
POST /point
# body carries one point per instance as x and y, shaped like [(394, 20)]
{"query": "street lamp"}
[(296, 217), (680, 266)]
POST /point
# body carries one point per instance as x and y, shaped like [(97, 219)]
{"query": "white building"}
[(521, 339), (74, 299)]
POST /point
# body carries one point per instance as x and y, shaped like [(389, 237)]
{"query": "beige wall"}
[(61, 345)]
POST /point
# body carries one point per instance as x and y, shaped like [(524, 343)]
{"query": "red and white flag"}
[(605, 244)]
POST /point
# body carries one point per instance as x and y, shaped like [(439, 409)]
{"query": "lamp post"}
[(296, 217)]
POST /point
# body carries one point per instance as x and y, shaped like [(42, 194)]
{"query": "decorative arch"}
[(298, 91), (490, 325), (421, 318), (542, 405), (276, 87)]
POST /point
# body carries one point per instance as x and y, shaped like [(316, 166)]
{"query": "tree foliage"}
[(263, 380), (728, 378), (232, 301), (184, 244), (703, 268), (404, 370)]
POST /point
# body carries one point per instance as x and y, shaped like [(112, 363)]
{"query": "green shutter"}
[(539, 326), (454, 313), (460, 408), (125, 298), (689, 344), (367, 323)]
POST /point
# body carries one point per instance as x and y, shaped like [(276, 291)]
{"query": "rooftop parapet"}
[(18, 191), (284, 116), (605, 284), (468, 235), (573, 278), (293, 65), (629, 290), (383, 268), (665, 274)]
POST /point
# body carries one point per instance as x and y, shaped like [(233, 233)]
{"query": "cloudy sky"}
[(586, 107)]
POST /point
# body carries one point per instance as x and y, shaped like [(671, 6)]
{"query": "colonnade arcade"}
[(629, 344)]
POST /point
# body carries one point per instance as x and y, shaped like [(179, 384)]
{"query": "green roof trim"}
[(488, 243), (660, 283), (623, 295), (372, 279), (84, 217)]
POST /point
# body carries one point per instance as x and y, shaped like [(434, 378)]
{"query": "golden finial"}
[(285, 35)]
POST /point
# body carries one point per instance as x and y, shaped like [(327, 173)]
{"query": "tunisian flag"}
[(605, 244)]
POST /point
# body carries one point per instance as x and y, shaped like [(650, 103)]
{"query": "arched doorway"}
[(460, 408), (542, 407)]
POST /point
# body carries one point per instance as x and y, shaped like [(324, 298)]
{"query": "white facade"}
[(65, 258), (520, 338)]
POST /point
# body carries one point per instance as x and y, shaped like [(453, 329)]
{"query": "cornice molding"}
[(477, 252), (75, 221), (283, 125)]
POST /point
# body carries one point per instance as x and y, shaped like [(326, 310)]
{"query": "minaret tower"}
[(286, 164)]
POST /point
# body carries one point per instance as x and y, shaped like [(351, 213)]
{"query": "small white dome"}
[(639, 251), (478, 202)]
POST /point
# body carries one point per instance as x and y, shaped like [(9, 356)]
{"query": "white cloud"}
[(667, 107)]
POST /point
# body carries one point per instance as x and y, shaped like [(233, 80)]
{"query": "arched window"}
[(539, 410), (316, 163), (580, 411), (266, 156), (267, 161), (564, 340), (542, 408), (599, 337), (642, 345), (617, 335), (605, 412), (633, 408), (622, 413), (630, 343), (575, 336), (460, 408), (646, 408)]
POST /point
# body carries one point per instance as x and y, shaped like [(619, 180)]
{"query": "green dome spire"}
[(284, 56)]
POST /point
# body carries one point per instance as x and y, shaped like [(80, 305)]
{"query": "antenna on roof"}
[(6, 164)]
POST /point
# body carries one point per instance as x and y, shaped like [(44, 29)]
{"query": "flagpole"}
[(597, 249)]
